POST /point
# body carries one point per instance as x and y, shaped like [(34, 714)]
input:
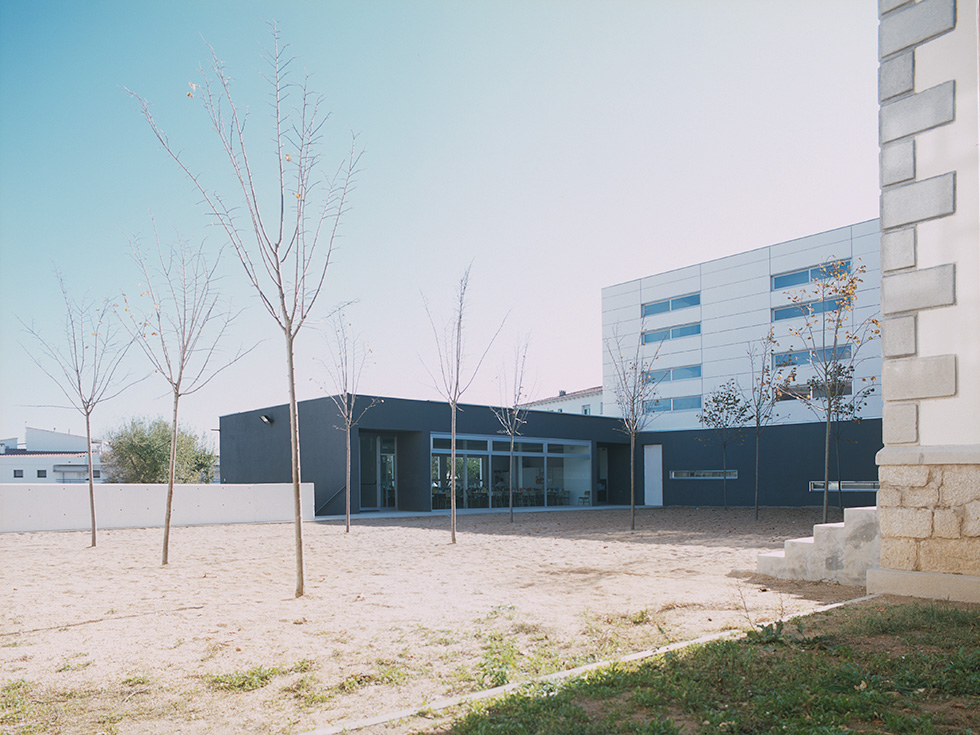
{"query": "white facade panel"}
[(736, 310)]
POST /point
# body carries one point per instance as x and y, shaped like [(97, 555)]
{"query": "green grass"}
[(20, 708), (909, 669), (307, 691), (255, 678)]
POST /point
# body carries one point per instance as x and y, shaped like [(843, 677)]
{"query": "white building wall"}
[(57, 468), (581, 402), (46, 440), (735, 311)]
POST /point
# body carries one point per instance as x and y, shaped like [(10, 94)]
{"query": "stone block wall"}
[(929, 517), (929, 468)]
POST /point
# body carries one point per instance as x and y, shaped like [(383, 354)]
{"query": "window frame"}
[(674, 303), (807, 309), (731, 474), (651, 406), (666, 375), (811, 274), (844, 352)]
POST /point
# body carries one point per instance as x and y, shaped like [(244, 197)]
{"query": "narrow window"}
[(657, 307), (685, 373), (656, 376), (683, 302), (687, 403), (685, 331), (656, 337)]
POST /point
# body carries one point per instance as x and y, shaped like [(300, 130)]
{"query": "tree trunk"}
[(757, 437), (632, 480), (171, 475), (347, 418), (452, 474), (826, 468), (511, 478), (294, 456), (91, 476)]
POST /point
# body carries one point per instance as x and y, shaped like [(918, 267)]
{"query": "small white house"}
[(48, 457), (587, 402)]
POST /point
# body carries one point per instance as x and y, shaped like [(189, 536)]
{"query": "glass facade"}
[(545, 473)]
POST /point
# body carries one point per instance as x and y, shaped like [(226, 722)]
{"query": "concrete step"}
[(837, 552), (772, 563)]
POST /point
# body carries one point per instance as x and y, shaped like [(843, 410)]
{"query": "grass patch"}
[(911, 669), (499, 660), (16, 703), (68, 665), (242, 681), (254, 678), (308, 691)]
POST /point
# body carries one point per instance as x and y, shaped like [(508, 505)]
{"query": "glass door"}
[(369, 471), (386, 472)]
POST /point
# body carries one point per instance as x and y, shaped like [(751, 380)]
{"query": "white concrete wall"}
[(45, 507), (736, 310)]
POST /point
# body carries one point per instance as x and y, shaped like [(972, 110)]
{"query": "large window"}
[(809, 275), (678, 302), (813, 307), (815, 392), (660, 335), (809, 357), (680, 403), (668, 375), (545, 473)]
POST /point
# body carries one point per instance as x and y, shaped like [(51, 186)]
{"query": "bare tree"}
[(285, 255), (85, 365), (513, 415), (763, 394), (178, 324), (831, 338), (726, 412), (454, 378), (635, 387), (350, 356)]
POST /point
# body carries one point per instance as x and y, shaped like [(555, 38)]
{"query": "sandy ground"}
[(394, 616)]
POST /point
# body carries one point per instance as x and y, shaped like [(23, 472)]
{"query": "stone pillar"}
[(929, 130)]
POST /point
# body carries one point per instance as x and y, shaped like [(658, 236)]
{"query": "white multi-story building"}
[(48, 457), (697, 323), (587, 402)]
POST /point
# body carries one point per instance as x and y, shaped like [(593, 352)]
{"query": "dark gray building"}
[(401, 459)]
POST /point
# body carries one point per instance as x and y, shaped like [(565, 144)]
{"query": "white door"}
[(653, 474)]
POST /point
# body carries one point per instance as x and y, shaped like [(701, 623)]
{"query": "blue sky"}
[(558, 146)]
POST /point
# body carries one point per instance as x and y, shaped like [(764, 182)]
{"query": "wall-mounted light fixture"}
[(267, 419)]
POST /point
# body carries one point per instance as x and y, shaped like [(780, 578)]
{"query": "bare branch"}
[(635, 387), (284, 251), (85, 364), (454, 376)]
